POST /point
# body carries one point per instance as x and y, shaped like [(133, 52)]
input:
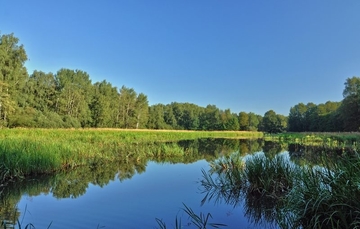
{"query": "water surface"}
[(134, 203), (132, 194)]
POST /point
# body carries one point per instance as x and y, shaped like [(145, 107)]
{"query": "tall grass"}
[(276, 190), (33, 151), (327, 197)]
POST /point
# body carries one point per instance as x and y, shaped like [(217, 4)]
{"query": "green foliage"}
[(73, 101), (274, 123), (327, 197), (350, 107), (311, 117), (25, 101), (104, 99), (13, 75), (275, 190), (244, 121), (36, 151)]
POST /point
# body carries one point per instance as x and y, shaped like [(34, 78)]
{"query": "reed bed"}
[(34, 151), (276, 190), (327, 197)]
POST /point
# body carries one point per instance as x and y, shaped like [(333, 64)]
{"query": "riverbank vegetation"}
[(36, 151), (73, 183), (264, 181), (330, 139), (278, 191)]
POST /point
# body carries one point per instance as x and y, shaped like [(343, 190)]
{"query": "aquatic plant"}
[(276, 190), (328, 196), (269, 176), (200, 221)]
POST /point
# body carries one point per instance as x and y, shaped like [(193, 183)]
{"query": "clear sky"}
[(246, 55)]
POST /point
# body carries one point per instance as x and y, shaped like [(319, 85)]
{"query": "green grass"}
[(331, 139), (26, 152), (275, 190), (327, 197)]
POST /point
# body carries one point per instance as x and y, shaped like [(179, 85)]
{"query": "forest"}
[(69, 99)]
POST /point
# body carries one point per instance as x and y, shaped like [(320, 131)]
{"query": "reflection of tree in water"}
[(249, 146), (11, 193), (9, 213), (271, 149), (261, 210), (318, 155), (74, 183)]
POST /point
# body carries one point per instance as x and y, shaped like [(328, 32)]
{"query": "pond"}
[(134, 203), (133, 194)]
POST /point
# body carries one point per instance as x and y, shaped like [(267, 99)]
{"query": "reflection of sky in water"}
[(135, 203)]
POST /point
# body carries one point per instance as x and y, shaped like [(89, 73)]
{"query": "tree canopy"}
[(68, 99)]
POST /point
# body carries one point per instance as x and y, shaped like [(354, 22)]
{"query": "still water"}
[(159, 192), (130, 195)]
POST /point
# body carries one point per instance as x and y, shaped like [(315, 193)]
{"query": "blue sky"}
[(246, 55)]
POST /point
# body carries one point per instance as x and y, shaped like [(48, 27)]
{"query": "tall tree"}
[(13, 75), (244, 121), (41, 91), (297, 117), (254, 121), (74, 90), (103, 105), (156, 117), (350, 108), (169, 117), (126, 108), (141, 110), (210, 118), (274, 123), (229, 120)]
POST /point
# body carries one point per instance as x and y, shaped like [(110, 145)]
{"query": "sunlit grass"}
[(330, 139), (34, 151)]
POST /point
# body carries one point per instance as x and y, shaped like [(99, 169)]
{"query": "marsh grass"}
[(276, 190), (329, 196), (271, 177), (25, 152), (260, 183)]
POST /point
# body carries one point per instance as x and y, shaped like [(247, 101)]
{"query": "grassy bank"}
[(34, 151), (332, 139)]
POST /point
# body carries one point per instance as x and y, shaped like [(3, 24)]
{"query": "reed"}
[(26, 152), (200, 221), (327, 197), (275, 189), (267, 176)]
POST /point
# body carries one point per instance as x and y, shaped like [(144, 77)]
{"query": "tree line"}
[(68, 99), (331, 116)]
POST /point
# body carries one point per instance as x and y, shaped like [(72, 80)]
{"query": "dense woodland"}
[(68, 99)]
